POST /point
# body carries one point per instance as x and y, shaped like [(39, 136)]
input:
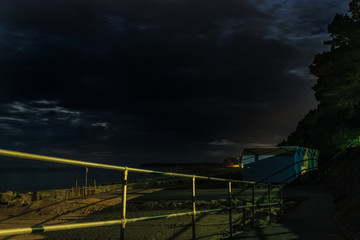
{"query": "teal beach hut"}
[(278, 164)]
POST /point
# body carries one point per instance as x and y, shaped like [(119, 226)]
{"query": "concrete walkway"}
[(311, 220)]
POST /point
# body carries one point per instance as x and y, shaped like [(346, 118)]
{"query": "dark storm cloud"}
[(47, 128), (82, 18), (147, 79)]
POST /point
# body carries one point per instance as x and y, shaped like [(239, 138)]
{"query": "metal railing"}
[(290, 166), (123, 221), (330, 164)]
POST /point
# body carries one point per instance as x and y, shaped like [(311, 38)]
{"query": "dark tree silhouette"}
[(336, 121)]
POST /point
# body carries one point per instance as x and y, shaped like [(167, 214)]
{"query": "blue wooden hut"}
[(278, 164)]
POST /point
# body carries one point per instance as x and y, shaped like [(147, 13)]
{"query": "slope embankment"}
[(344, 178)]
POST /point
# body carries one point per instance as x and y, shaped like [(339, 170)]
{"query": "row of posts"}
[(124, 194)]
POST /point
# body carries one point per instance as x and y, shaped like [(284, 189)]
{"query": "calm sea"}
[(32, 179)]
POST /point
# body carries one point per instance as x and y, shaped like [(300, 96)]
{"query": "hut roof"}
[(290, 150)]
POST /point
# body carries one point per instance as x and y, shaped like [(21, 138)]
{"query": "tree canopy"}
[(336, 120)]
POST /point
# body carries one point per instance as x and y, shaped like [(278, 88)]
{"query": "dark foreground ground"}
[(312, 219)]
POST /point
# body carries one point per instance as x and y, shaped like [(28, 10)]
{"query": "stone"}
[(7, 197)]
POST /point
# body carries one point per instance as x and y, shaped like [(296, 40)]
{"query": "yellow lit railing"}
[(123, 221)]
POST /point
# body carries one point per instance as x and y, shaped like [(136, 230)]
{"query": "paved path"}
[(311, 220)]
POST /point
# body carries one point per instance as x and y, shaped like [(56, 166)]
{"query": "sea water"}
[(33, 179)]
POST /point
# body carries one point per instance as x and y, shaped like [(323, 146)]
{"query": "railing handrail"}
[(44, 158), (299, 173), (289, 166), (338, 154), (123, 219)]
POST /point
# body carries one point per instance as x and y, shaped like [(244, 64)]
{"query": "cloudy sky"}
[(156, 80)]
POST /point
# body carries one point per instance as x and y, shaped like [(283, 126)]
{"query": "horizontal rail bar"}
[(287, 167), (267, 204), (256, 205), (299, 173), (29, 156), (59, 227)]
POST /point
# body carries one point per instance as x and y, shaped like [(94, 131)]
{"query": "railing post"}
[(230, 209), (123, 212), (194, 210), (269, 202), (86, 176), (244, 213), (281, 201), (253, 203)]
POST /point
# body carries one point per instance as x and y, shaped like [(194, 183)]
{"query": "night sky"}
[(137, 81)]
